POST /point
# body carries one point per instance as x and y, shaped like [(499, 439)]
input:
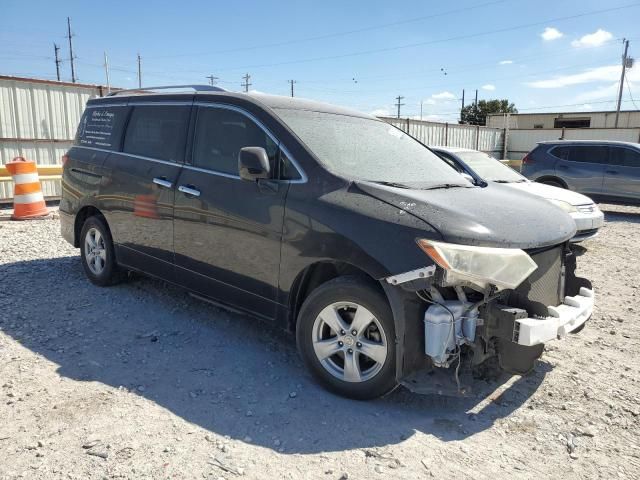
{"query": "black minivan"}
[(384, 261)]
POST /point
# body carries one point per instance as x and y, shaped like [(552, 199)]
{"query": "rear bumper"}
[(563, 319), (67, 222)]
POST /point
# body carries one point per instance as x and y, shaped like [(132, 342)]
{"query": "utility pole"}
[(624, 68), (71, 57), (56, 49), (399, 98), (292, 82), (139, 71), (106, 71), (212, 79), (462, 108), (421, 101), (246, 83), (475, 108)]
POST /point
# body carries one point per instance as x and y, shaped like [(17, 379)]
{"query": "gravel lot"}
[(142, 381)]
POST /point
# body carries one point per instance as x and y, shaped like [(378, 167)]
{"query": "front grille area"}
[(544, 287)]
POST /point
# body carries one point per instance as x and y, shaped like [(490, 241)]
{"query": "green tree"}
[(477, 115)]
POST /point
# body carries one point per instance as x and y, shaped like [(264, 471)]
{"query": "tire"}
[(553, 183), (100, 263), (337, 359)]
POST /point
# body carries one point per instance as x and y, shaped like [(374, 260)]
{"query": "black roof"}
[(270, 101)]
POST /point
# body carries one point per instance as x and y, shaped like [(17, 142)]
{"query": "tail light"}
[(527, 160), (65, 159)]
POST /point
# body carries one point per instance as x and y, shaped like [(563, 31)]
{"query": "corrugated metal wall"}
[(488, 140), (38, 120), (521, 142)]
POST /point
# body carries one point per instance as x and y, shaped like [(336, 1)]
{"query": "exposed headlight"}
[(566, 206), (502, 267)]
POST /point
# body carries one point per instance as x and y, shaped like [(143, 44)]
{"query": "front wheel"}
[(346, 336)]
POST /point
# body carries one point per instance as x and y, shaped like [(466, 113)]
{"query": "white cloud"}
[(443, 96), (551, 33), (599, 74), (490, 87), (505, 62), (594, 39), (380, 112), (429, 101)]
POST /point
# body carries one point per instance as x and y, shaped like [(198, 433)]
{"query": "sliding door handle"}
[(189, 190), (163, 182)]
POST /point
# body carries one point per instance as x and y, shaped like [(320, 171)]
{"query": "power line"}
[(71, 57), (336, 34), (442, 40), (630, 94)]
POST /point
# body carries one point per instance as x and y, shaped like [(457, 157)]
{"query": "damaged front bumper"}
[(444, 321), (565, 318)]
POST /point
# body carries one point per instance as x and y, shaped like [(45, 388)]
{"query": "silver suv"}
[(604, 170)]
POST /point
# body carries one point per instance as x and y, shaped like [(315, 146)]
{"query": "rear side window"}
[(581, 153), (561, 153), (101, 127), (625, 157), (158, 131), (219, 136)]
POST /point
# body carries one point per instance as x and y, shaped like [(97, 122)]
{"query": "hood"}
[(493, 216), (551, 193)]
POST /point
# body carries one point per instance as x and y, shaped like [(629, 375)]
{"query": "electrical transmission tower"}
[(399, 98), (246, 83), (56, 49)]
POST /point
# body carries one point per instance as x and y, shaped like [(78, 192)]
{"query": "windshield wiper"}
[(444, 185), (390, 184)]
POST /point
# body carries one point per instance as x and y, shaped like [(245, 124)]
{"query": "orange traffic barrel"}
[(28, 201)]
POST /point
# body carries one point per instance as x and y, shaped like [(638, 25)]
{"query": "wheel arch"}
[(81, 217), (318, 273), (552, 178)]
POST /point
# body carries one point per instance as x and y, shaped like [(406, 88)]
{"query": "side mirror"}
[(253, 163)]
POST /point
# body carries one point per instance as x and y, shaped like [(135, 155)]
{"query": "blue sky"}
[(561, 54)]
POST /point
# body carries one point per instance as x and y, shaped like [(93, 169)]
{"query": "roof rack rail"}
[(195, 88)]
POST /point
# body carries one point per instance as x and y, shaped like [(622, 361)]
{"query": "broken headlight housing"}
[(481, 266)]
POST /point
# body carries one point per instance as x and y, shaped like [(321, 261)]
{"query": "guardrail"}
[(45, 172)]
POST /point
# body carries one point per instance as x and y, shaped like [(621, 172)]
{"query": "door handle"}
[(189, 190), (163, 182), (612, 172)]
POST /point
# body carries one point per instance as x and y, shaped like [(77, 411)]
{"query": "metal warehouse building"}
[(38, 120), (603, 119)]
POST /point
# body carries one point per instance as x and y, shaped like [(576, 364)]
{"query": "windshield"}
[(489, 168), (367, 149)]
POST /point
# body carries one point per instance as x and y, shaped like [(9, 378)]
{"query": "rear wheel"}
[(346, 337), (98, 254)]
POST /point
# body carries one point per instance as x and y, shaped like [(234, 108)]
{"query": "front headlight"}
[(502, 267), (566, 206)]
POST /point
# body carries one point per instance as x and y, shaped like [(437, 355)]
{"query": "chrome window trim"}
[(303, 176), (211, 172), (164, 103), (106, 105), (93, 148), (141, 157)]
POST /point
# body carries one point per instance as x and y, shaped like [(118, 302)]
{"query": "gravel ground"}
[(142, 381)]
